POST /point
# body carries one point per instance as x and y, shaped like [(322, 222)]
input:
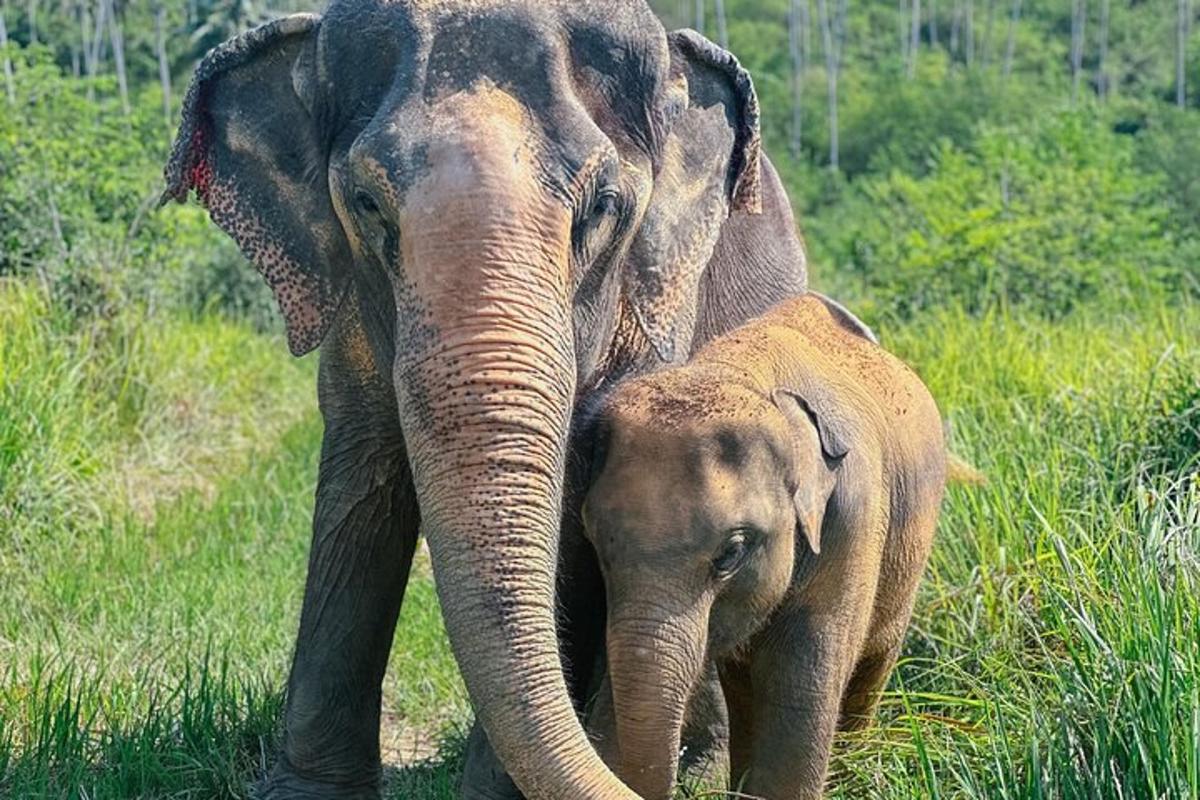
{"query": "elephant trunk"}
[(656, 655), (485, 384)]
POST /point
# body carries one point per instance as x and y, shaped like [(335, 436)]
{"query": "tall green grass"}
[(1055, 651), (156, 490), (145, 630)]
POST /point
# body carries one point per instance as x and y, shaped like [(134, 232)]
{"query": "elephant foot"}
[(484, 777), (286, 783)]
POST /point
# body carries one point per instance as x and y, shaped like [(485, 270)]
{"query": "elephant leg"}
[(866, 685), (601, 723), (739, 698), (705, 739), (799, 671), (364, 535), (484, 777)]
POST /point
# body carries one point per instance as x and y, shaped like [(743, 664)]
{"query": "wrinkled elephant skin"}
[(768, 508), (483, 212)]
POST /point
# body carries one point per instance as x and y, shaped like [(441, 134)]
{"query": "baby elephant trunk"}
[(656, 656)]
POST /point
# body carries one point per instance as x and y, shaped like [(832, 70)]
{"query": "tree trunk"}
[(69, 12), (933, 31), (1078, 10), (955, 24), (118, 46), (164, 67), (832, 42), (1010, 48), (914, 41), (700, 15), (31, 14), (797, 32), (722, 25), (1181, 35), (10, 86), (1102, 67), (985, 50), (969, 31), (98, 36)]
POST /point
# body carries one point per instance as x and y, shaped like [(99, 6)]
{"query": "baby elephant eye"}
[(731, 556)]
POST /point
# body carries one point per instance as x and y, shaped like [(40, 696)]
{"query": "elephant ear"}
[(846, 318), (709, 167), (820, 442), (250, 148)]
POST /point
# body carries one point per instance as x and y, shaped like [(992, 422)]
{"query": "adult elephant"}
[(481, 211)]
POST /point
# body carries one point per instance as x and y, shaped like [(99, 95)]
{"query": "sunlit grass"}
[(1054, 652)]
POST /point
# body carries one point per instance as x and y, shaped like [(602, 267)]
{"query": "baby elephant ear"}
[(818, 447), (250, 148)]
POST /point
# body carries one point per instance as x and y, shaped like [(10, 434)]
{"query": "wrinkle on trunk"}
[(485, 403)]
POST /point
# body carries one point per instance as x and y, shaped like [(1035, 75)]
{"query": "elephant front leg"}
[(798, 675), (364, 534)]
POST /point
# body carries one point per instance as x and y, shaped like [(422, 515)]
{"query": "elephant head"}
[(702, 487), (513, 169)]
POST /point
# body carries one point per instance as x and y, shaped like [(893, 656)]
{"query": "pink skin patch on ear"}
[(201, 174), (305, 305)]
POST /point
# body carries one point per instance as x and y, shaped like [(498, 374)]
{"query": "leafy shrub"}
[(1170, 145), (1047, 216), (1173, 424), (79, 185)]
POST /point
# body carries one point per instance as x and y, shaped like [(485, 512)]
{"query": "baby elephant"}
[(769, 508)]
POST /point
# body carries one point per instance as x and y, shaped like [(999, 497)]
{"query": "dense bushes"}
[(79, 187), (1049, 214)]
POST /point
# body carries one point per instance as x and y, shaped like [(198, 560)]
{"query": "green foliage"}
[(1170, 146), (1048, 215), (79, 190), (1037, 263)]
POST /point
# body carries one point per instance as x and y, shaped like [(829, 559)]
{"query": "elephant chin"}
[(655, 660)]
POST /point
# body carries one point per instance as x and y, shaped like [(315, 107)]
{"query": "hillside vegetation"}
[(1018, 215)]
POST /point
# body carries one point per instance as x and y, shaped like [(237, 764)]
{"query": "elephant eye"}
[(731, 555), (366, 203), (600, 218), (607, 203), (377, 230)]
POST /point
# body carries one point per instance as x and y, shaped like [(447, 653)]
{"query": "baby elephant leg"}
[(866, 686), (705, 755), (798, 676), (600, 721), (900, 574)]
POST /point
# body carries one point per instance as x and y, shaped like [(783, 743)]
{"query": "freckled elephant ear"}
[(250, 148), (710, 167)]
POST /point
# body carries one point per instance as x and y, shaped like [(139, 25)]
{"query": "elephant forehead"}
[(546, 53), (689, 398)]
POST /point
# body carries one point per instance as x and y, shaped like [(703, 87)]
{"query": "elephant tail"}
[(959, 471)]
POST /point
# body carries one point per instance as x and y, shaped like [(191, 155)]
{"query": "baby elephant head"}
[(701, 491)]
